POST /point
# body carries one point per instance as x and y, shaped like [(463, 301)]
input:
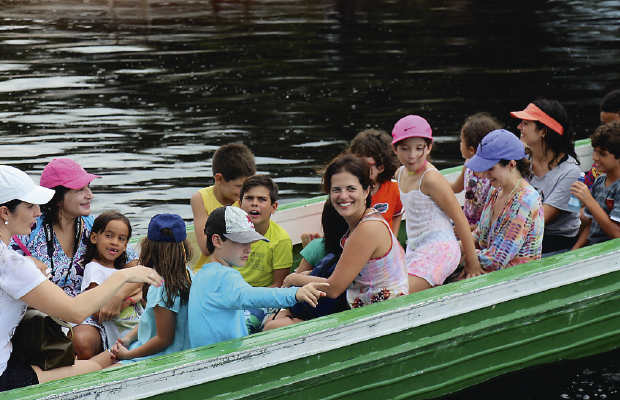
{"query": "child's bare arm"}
[(311, 293), (396, 224), (200, 219), (279, 275), (610, 227), (304, 266), (458, 185), (582, 241), (165, 321)]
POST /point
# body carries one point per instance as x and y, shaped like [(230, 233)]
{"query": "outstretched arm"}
[(52, 300)]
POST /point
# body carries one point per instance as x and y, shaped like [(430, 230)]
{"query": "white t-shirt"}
[(18, 276), (95, 273)]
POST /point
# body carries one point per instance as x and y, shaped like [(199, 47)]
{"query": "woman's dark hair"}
[(334, 228), (169, 259), (376, 143), (352, 164), (12, 205), (99, 226), (51, 209), (552, 140), (476, 127), (523, 166)]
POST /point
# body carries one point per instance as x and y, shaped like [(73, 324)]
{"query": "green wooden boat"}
[(419, 346)]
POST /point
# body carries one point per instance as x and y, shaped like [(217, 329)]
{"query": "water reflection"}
[(143, 92)]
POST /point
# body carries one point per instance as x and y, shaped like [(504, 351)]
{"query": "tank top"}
[(381, 278), (426, 221)]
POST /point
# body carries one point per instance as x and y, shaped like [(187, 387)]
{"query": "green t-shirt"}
[(266, 257), (314, 252)]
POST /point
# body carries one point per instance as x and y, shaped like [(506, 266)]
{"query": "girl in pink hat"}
[(433, 252), (59, 241)]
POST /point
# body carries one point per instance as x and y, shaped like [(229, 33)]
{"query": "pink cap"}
[(65, 172), (411, 126)]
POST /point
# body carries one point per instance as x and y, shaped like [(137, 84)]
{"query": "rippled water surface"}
[(144, 91)]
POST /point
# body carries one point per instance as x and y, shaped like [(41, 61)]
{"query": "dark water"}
[(143, 92)]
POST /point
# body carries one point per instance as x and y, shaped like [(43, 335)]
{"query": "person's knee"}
[(86, 342)]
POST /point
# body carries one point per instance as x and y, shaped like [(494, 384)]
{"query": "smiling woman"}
[(511, 225), (372, 265), (59, 240)]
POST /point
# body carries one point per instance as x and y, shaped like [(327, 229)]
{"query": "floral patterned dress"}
[(515, 237)]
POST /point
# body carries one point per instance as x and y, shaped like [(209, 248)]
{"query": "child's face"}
[(232, 253), (112, 242), (375, 169), (607, 117), (412, 152), (466, 151), (230, 189), (604, 161), (256, 202)]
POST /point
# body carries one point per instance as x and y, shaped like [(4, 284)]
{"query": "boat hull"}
[(418, 346)]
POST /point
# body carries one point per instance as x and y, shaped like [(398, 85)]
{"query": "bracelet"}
[(133, 303)]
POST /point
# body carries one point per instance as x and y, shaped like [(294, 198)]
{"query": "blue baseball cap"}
[(171, 221), (497, 145)]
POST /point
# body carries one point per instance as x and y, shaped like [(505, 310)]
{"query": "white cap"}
[(15, 184)]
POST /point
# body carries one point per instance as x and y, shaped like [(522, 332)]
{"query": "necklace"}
[(417, 171), (513, 190)]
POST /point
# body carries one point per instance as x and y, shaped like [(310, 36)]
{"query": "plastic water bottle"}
[(574, 204)]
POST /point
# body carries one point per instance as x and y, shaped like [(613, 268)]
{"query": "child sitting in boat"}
[(374, 147), (603, 203), (609, 111), (163, 328), (219, 293), (231, 165), (475, 128), (512, 223), (432, 250), (269, 262), (105, 254)]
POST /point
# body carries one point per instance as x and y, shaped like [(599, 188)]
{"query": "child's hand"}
[(124, 341), (471, 270), (306, 238), (120, 352), (580, 191), (311, 293)]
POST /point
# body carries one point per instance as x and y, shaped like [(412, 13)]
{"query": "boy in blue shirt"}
[(603, 204), (219, 294)]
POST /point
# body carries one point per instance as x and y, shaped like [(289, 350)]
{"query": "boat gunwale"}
[(231, 355)]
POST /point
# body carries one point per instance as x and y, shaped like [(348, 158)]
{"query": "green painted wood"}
[(572, 321)]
